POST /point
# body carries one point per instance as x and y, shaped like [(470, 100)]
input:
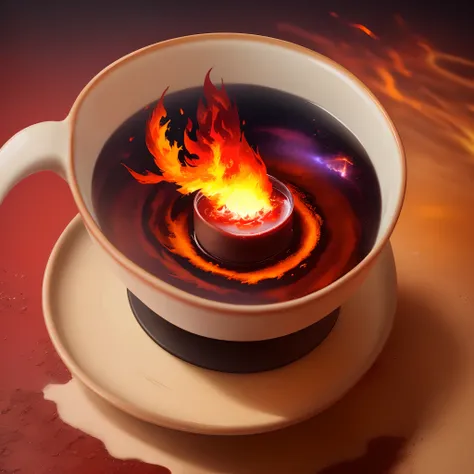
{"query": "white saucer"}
[(98, 338)]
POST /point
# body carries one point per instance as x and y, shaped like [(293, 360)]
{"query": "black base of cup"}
[(231, 356)]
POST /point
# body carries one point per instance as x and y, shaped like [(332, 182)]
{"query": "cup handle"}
[(40, 147)]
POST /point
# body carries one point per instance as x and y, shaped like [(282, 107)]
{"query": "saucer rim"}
[(165, 420)]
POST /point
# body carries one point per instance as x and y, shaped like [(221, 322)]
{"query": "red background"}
[(48, 52)]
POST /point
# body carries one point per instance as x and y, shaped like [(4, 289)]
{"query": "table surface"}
[(414, 411)]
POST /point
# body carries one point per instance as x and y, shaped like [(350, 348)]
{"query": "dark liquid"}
[(302, 146)]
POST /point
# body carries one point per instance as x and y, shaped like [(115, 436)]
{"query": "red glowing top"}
[(263, 221)]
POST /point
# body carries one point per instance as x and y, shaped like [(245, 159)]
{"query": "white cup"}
[(71, 148)]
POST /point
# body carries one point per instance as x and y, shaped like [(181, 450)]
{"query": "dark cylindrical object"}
[(231, 356), (240, 248)]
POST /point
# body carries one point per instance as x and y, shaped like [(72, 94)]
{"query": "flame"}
[(221, 164), (219, 161)]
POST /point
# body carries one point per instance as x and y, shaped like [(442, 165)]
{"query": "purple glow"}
[(339, 164)]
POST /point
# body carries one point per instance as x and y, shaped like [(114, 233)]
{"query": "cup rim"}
[(159, 285)]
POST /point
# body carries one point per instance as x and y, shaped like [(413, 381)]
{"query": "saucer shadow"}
[(366, 432), (382, 454)]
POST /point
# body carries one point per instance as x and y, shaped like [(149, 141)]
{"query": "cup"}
[(71, 148)]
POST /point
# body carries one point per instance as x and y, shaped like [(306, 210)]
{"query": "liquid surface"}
[(302, 146)]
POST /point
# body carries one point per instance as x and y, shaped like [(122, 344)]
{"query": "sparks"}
[(365, 30)]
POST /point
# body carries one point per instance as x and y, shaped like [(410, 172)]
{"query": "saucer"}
[(93, 329)]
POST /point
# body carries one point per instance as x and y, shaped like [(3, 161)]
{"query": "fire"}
[(219, 162)]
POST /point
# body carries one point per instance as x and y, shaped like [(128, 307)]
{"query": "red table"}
[(45, 63)]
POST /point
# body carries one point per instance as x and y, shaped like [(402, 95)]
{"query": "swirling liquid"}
[(336, 192)]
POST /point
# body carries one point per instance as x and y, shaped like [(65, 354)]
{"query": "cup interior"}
[(140, 78)]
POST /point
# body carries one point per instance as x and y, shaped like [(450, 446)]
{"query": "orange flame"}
[(219, 162)]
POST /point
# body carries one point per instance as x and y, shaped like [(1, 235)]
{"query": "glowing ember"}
[(219, 162), (261, 222)]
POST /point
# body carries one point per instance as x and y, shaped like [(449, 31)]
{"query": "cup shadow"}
[(367, 432)]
